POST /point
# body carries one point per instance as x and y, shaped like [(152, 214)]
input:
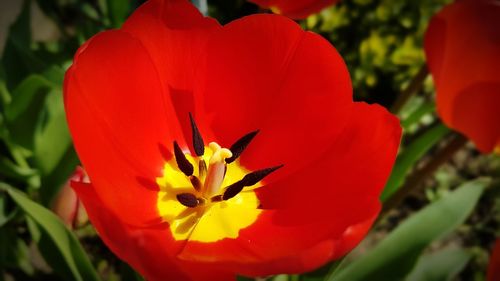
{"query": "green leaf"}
[(23, 95), (440, 266), (55, 74), (320, 273), (53, 182), (410, 155), (45, 246), (118, 10), (5, 97), (36, 119), (52, 138), (23, 112), (5, 213), (10, 169), (281, 277), (397, 254), (73, 258), (417, 115)]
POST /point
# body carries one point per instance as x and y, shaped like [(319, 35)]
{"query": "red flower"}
[(66, 204), (463, 53), (296, 9), (494, 266), (176, 209)]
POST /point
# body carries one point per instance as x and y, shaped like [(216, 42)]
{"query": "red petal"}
[(463, 53), (296, 9), (114, 105), (313, 257), (476, 114), (494, 266), (264, 72), (351, 238), (367, 146), (174, 34), (151, 251)]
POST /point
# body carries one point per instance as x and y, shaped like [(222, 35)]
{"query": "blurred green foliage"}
[(37, 156), (381, 42), (397, 254)]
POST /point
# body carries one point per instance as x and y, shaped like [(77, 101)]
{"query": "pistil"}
[(216, 169)]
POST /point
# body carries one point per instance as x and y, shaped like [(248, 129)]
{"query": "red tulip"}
[(151, 107), (494, 266), (66, 204), (462, 45), (296, 9)]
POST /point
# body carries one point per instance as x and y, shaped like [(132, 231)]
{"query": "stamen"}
[(233, 190), (184, 165), (195, 181), (188, 200), (216, 198), (248, 180), (239, 146), (202, 169), (216, 168), (255, 177), (198, 144)]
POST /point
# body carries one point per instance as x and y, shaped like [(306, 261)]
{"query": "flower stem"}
[(415, 180), (414, 86)]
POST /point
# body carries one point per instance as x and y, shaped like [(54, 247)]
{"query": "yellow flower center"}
[(193, 205), (208, 203)]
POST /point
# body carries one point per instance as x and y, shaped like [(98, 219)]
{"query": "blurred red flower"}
[(140, 102), (66, 204), (462, 45), (295, 9), (494, 266)]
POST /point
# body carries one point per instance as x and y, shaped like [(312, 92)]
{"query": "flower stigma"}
[(217, 168)]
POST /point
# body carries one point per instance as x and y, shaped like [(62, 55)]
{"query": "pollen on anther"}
[(240, 145), (182, 163), (248, 180), (198, 144), (195, 181), (187, 199)]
